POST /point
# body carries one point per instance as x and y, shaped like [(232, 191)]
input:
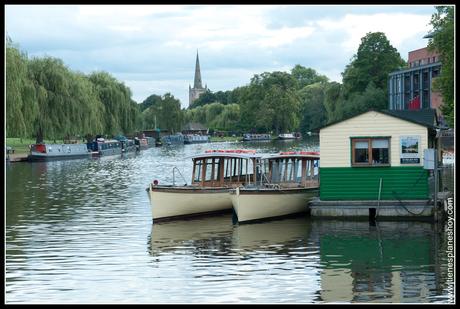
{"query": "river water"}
[(80, 231)]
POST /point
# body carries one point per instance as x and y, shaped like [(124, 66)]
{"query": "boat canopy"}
[(228, 153), (314, 155)]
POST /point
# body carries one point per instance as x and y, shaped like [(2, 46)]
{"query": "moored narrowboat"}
[(43, 152), (103, 147)]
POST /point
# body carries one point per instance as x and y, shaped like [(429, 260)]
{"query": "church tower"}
[(197, 90)]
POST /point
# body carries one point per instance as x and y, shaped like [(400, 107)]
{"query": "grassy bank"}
[(225, 139), (22, 145)]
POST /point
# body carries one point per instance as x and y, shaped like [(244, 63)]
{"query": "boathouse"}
[(373, 163)]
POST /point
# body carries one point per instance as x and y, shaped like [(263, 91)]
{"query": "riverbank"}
[(224, 139)]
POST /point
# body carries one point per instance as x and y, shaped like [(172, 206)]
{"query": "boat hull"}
[(169, 202), (256, 204), (45, 157)]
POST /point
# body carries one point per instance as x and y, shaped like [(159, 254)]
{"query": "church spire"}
[(197, 82)]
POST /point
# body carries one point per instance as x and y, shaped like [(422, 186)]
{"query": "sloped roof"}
[(425, 117)]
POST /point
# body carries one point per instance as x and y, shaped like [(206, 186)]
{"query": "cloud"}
[(153, 47)]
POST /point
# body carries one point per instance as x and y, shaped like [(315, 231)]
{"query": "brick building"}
[(411, 88)]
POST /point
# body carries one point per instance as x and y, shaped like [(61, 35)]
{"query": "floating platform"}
[(373, 208)]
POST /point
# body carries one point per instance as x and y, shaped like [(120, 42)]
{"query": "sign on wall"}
[(409, 149)]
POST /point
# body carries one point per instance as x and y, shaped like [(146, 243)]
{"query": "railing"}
[(174, 176)]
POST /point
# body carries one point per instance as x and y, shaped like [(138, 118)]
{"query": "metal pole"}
[(436, 182)]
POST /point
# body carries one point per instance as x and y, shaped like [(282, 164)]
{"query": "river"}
[(80, 231)]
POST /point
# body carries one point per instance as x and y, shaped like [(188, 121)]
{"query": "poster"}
[(410, 149)]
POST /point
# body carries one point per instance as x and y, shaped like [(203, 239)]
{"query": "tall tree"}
[(443, 42), (313, 111), (306, 76), (21, 104), (375, 59)]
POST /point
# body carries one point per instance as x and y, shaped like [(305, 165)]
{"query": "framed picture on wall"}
[(409, 149)]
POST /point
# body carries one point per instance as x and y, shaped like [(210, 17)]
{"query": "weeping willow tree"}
[(53, 86), (120, 112), (21, 104)]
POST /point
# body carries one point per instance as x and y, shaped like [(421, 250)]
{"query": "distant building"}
[(411, 88), (197, 90)]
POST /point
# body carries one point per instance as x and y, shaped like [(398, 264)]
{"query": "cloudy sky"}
[(152, 49)]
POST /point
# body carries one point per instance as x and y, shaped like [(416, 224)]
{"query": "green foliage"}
[(375, 59), (21, 105), (372, 98), (165, 114), (306, 76), (270, 102), (215, 116), (151, 100), (313, 111), (443, 41), (45, 99)]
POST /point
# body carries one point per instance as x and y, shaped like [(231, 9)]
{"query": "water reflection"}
[(80, 231), (389, 262)]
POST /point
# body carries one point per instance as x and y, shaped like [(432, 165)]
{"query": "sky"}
[(152, 48)]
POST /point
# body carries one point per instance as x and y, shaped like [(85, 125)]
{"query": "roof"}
[(425, 117), (194, 126)]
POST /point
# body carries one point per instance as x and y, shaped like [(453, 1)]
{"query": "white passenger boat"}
[(289, 182), (214, 173), (287, 136)]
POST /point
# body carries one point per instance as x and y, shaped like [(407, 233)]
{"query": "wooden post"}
[(203, 172), (193, 171), (312, 169), (221, 168), (304, 172)]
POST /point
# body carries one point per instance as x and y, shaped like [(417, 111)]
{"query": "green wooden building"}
[(375, 156)]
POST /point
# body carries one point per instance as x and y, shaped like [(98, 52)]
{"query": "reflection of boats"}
[(197, 232), (364, 263), (256, 137), (214, 172), (289, 182), (43, 152), (285, 136), (253, 236)]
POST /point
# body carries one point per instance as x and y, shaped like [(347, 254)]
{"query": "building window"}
[(373, 151)]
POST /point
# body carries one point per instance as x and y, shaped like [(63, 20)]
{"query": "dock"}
[(16, 157)]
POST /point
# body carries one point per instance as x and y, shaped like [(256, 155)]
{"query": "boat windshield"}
[(291, 171), (221, 169)]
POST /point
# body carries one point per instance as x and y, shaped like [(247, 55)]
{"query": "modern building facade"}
[(411, 88), (197, 90)]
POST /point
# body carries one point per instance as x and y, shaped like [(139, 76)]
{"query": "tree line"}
[(302, 99), (45, 99)]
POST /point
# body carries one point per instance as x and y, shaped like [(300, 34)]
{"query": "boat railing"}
[(174, 175)]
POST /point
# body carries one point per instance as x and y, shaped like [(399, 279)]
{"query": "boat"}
[(127, 145), (103, 147), (214, 173), (195, 138), (289, 181), (247, 137), (43, 152), (173, 139), (141, 143), (286, 136)]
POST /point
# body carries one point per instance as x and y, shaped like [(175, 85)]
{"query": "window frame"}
[(369, 140)]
